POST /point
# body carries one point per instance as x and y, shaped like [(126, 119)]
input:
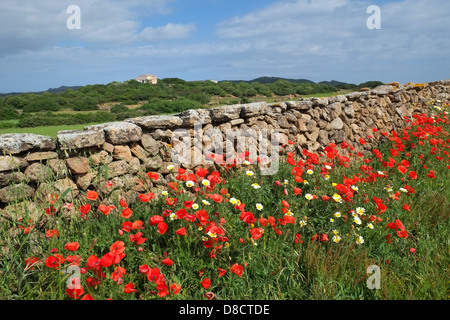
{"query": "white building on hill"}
[(147, 78)]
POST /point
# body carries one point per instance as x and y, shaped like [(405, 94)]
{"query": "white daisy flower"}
[(250, 173), (205, 182), (309, 196), (337, 214), (259, 206), (336, 238), (359, 240), (357, 220), (206, 203), (189, 183), (195, 206)]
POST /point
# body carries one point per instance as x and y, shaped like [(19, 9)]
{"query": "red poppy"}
[(137, 224), (54, 261), (256, 233), (431, 174), (297, 191), (91, 195), (85, 208), (285, 203), (167, 261), (31, 262), (153, 175), (75, 290), (52, 233), (72, 246), (221, 272), (126, 213), (201, 172), (217, 198), (181, 232), (93, 262), (202, 216), (87, 297), (324, 237), (361, 140), (206, 283), (127, 226), (129, 288), (402, 169), (107, 259), (175, 288), (104, 209), (117, 247), (156, 219), (237, 269), (406, 207), (162, 227), (137, 238), (122, 203), (188, 204)]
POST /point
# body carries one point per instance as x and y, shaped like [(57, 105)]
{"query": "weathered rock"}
[(7, 178), (16, 192), (78, 165), (254, 109), (58, 166), (38, 156), (78, 139), (118, 168), (83, 182), (119, 132), (139, 152), (337, 124), (100, 158), (225, 113), (382, 90), (194, 116), (38, 172), (157, 122), (153, 163), (68, 185), (122, 153), (8, 163), (150, 144), (15, 143)]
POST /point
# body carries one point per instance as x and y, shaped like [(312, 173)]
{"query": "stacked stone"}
[(123, 152)]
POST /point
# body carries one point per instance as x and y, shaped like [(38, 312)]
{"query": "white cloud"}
[(169, 31)]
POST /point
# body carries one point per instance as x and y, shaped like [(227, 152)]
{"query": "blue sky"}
[(222, 40)]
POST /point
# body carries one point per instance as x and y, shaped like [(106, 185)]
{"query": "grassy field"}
[(311, 231), (50, 131)]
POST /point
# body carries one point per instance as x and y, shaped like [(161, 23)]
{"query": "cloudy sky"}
[(222, 40)]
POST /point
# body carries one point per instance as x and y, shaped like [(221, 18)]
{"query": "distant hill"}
[(267, 80), (51, 90)]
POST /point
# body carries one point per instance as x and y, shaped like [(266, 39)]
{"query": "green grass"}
[(277, 267), (50, 131)]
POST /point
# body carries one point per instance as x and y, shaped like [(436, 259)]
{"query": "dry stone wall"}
[(34, 166)]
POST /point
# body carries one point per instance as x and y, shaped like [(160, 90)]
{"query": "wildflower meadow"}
[(309, 232)]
